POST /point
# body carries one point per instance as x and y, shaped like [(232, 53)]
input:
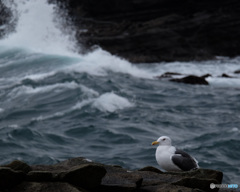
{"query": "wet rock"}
[(6, 22), (118, 179), (168, 75), (87, 176), (151, 169), (200, 178), (237, 72), (46, 187), (191, 79), (10, 178), (206, 75), (158, 30), (19, 166), (226, 75), (41, 176), (79, 174), (168, 188)]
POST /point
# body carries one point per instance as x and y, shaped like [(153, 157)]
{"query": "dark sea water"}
[(56, 104)]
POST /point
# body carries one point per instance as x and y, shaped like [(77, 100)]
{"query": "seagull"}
[(172, 159)]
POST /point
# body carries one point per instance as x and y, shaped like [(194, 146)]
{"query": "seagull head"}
[(164, 140)]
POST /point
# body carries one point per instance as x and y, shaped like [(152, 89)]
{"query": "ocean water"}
[(57, 104)]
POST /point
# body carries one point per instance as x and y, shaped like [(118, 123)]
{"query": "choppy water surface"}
[(56, 104)]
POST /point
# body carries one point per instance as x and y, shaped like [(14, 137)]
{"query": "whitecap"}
[(224, 82), (16, 92), (110, 102)]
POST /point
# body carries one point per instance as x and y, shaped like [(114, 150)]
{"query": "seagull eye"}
[(164, 139)]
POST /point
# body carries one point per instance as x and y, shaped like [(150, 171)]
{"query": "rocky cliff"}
[(159, 30)]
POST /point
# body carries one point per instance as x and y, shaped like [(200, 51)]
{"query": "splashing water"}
[(38, 30)]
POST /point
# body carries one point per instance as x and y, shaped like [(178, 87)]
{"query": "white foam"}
[(16, 92), (37, 29), (224, 82), (89, 92), (234, 129), (110, 102)]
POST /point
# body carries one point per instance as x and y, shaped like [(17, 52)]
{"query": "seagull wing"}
[(184, 161)]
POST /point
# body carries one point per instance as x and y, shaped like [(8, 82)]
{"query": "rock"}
[(151, 169), (200, 178), (10, 178), (191, 79), (226, 75), (46, 187), (19, 166), (206, 75), (237, 71), (118, 179), (79, 174), (88, 176), (6, 24), (168, 75), (158, 30), (41, 176), (168, 188)]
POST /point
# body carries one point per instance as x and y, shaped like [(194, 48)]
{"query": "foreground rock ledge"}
[(81, 175)]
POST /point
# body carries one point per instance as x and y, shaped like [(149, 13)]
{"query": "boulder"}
[(80, 174), (237, 72), (19, 166), (46, 187), (88, 176), (6, 16), (41, 176), (118, 179), (168, 75), (10, 178), (191, 79), (197, 180)]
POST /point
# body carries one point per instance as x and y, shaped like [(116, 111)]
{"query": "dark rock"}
[(191, 79), (237, 71), (40, 176), (159, 30), (168, 75), (46, 187), (10, 178), (62, 166), (118, 179), (206, 75), (200, 178), (151, 169), (5, 18), (19, 166), (88, 176), (168, 188), (79, 174), (226, 75)]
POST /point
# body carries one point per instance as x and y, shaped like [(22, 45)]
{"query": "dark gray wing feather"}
[(184, 161)]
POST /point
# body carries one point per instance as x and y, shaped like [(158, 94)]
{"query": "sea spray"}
[(37, 29)]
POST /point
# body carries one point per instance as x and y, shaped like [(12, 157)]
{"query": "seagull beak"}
[(155, 142)]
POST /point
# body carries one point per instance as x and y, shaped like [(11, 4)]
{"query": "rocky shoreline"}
[(158, 30), (151, 30), (83, 175)]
